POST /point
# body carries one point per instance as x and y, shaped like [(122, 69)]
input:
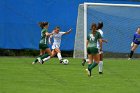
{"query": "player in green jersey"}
[(100, 65), (92, 50), (43, 44)]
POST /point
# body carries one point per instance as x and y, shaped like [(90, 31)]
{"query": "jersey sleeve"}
[(62, 33), (102, 34), (99, 36), (43, 32), (134, 37)]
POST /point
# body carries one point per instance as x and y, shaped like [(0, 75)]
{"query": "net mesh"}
[(120, 23)]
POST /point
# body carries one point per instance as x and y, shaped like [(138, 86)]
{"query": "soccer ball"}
[(65, 61)]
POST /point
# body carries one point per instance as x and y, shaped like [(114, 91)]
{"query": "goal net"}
[(120, 23)]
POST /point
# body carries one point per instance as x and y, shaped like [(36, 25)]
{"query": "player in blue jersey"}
[(135, 43)]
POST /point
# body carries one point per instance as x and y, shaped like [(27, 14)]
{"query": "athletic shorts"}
[(43, 46), (100, 52), (54, 46), (92, 50), (136, 43)]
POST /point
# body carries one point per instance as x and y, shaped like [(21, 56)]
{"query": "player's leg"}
[(84, 61), (101, 64), (42, 52), (90, 57), (96, 61), (42, 48), (132, 51), (57, 50), (46, 50), (48, 55), (53, 54), (95, 56)]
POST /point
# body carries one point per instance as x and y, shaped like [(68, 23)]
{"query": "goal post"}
[(85, 29), (121, 19)]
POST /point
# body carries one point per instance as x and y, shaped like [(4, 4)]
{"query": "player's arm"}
[(68, 31), (132, 44), (50, 38), (103, 40), (100, 43), (49, 34)]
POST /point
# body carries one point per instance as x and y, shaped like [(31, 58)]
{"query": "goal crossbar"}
[(109, 4)]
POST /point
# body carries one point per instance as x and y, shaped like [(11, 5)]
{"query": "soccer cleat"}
[(33, 62), (61, 61), (129, 58), (83, 62), (43, 62), (39, 60), (88, 72), (100, 72)]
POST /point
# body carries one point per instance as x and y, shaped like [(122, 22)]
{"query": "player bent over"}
[(135, 43), (56, 44), (92, 49)]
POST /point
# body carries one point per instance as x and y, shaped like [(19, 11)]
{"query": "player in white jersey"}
[(56, 44), (99, 29)]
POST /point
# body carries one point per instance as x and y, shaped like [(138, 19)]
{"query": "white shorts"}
[(100, 52), (54, 46)]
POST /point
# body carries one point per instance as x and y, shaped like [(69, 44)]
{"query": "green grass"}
[(18, 75)]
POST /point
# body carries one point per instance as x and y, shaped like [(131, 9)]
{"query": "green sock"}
[(44, 56), (37, 59), (93, 65), (89, 66)]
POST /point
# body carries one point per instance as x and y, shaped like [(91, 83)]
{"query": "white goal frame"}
[(98, 4)]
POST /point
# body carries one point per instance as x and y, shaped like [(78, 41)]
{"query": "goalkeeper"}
[(135, 43)]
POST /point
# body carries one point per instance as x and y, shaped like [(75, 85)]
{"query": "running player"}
[(56, 44), (135, 43), (99, 29), (92, 49), (43, 44)]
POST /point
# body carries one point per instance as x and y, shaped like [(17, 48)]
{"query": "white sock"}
[(87, 60), (59, 56), (45, 59), (100, 66)]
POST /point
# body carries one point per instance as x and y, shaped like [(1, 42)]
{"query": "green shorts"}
[(92, 50), (43, 46)]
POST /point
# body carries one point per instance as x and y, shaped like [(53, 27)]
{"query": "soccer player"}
[(99, 29), (43, 44), (135, 43), (56, 44), (92, 49)]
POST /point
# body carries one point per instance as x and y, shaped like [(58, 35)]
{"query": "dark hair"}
[(42, 24), (57, 27), (93, 24), (100, 25)]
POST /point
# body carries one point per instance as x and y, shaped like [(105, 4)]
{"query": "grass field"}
[(18, 75)]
